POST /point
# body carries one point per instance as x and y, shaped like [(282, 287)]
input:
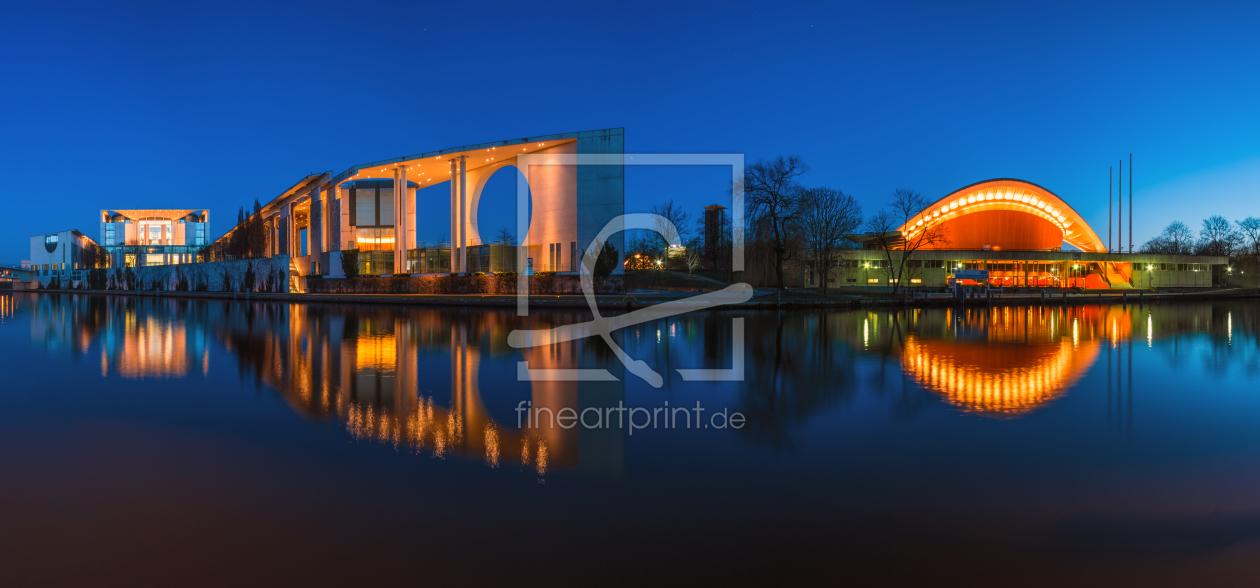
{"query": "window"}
[(381, 239), (364, 206), (872, 280), (387, 209), (916, 281)]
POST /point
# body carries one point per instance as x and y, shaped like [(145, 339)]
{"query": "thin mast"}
[(1130, 203), (1109, 170)]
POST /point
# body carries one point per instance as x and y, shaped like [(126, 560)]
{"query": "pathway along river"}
[(205, 442)]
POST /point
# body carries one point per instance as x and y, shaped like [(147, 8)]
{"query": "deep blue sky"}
[(172, 104)]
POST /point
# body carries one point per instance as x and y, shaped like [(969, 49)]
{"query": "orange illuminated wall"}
[(1008, 214), (1002, 229)]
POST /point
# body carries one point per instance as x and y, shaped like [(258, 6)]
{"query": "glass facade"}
[(374, 239), (141, 255)]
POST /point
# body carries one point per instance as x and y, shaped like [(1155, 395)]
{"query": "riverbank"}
[(763, 299)]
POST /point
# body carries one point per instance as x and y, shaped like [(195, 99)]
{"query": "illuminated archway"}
[(1005, 214)]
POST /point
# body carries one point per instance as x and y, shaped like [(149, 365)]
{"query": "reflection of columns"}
[(468, 417), (406, 375)]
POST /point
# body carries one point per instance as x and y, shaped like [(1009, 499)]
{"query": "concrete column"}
[(315, 224), (400, 219), (346, 235), (454, 214), (463, 213), (409, 201)]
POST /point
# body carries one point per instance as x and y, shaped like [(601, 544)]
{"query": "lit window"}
[(916, 281), (872, 281)]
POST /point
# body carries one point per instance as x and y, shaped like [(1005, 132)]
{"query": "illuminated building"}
[(138, 238), (372, 208), (58, 255), (1024, 236)]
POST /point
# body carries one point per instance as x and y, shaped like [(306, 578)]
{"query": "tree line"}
[(1217, 236), (787, 223)]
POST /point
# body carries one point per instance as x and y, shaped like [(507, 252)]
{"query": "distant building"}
[(58, 254), (135, 238), (1013, 231)]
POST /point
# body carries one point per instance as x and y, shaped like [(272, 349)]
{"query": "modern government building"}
[(1021, 233)]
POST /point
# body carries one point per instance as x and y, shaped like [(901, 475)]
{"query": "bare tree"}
[(1218, 237), (906, 211), (827, 215), (1176, 239), (93, 256), (772, 198), (505, 237), (693, 255), (1250, 229), (671, 229), (716, 239), (135, 250)]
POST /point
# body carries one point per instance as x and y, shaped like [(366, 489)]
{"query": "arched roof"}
[(1014, 195)]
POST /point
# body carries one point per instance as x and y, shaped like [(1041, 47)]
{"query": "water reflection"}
[(1010, 361), (443, 381)]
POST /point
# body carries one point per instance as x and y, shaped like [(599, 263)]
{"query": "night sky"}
[(174, 105)]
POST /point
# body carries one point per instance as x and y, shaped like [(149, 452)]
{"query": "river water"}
[(201, 442)]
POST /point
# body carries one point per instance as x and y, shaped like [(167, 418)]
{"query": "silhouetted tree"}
[(907, 209), (772, 198), (1176, 239), (827, 216)]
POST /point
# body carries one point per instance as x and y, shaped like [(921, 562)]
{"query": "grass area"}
[(670, 280)]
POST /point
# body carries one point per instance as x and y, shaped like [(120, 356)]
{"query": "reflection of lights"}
[(542, 457), (492, 445), (1013, 382), (1149, 330)]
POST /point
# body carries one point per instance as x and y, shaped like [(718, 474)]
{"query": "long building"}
[(1021, 235), (576, 183)]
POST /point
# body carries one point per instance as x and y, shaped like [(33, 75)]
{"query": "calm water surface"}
[(160, 442)]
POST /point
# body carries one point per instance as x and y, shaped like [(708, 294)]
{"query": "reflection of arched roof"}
[(1006, 194), (998, 380)]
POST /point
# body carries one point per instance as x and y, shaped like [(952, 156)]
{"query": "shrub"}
[(350, 262), (606, 262)]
